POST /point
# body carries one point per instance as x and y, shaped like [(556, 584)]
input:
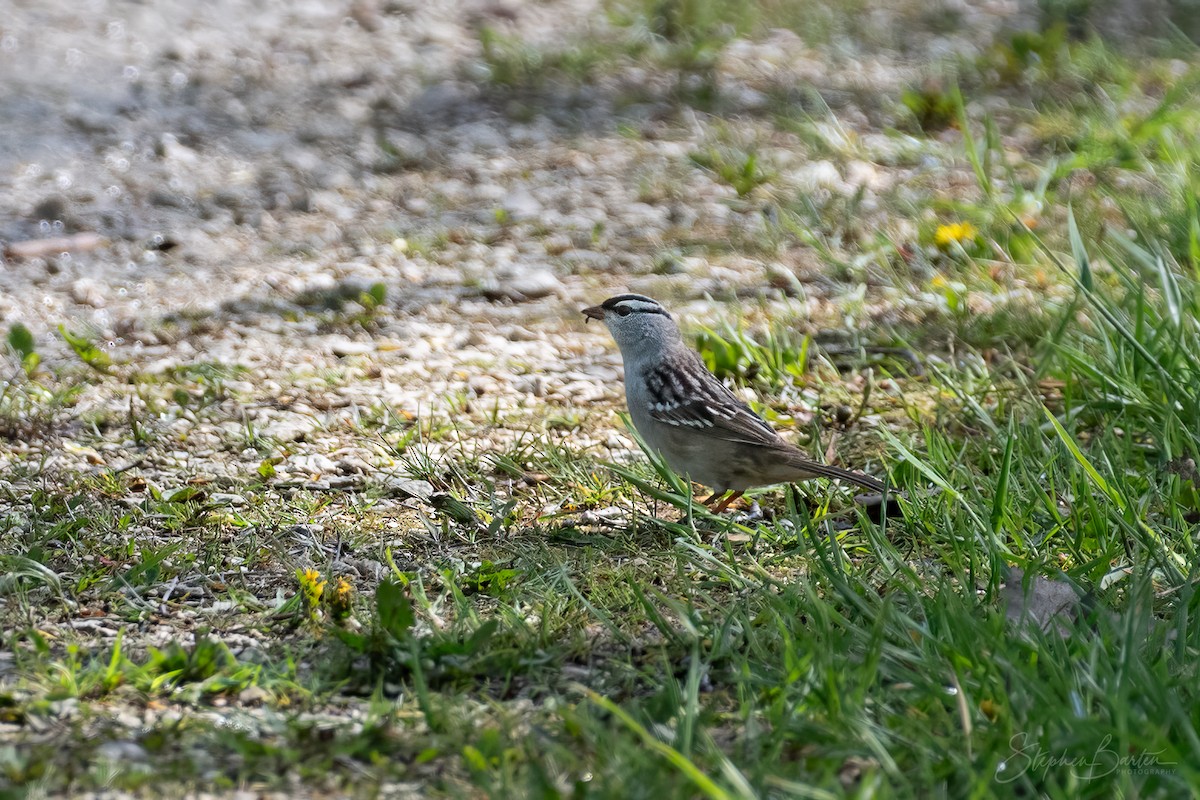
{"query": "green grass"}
[(536, 615), (679, 654)]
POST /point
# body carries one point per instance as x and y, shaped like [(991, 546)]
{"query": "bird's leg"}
[(724, 504), (715, 496)]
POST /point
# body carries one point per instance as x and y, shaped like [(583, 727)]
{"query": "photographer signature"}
[(1028, 757)]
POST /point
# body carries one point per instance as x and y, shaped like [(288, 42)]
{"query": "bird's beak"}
[(593, 312)]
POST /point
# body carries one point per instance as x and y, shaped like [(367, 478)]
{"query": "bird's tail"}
[(814, 469)]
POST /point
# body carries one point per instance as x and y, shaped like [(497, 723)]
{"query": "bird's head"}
[(637, 323)]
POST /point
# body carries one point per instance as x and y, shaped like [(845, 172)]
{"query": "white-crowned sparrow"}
[(681, 410)]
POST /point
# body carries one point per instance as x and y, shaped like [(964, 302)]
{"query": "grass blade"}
[(1000, 500), (1082, 460), (706, 786), (1078, 251)]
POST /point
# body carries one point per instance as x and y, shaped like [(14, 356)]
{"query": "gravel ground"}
[(231, 161), (232, 164)]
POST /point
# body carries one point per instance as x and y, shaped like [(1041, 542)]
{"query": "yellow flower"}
[(960, 232), (341, 599), (313, 578), (990, 709), (311, 586)]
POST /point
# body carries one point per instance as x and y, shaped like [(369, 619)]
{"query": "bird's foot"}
[(724, 504)]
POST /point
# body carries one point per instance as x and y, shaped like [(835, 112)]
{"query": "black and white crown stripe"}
[(625, 304)]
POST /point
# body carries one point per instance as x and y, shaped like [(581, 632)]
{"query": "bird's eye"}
[(624, 311)]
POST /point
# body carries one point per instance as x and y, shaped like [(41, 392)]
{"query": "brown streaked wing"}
[(685, 394)]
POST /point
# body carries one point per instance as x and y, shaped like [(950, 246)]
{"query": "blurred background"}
[(210, 153)]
